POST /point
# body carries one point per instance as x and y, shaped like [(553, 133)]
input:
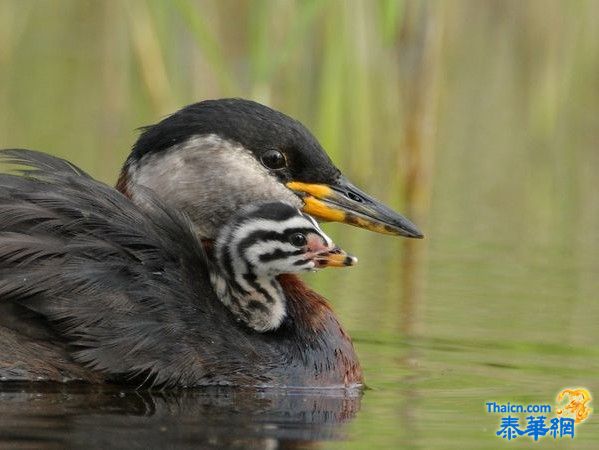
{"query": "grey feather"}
[(127, 288)]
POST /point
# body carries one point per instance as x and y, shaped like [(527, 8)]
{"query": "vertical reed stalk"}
[(148, 53), (422, 39)]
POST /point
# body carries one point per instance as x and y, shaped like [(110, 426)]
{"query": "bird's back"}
[(93, 287)]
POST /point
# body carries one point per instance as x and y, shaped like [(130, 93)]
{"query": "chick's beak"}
[(328, 254), (343, 202), (335, 258)]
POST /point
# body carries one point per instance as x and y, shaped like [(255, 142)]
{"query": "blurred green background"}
[(478, 119)]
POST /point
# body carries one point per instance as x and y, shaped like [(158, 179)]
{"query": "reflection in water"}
[(48, 416)]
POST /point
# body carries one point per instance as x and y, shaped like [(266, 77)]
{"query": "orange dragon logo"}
[(577, 407)]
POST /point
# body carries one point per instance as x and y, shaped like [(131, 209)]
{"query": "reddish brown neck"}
[(122, 183), (316, 320), (309, 307)]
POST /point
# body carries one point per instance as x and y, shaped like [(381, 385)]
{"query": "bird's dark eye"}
[(297, 239), (274, 159)]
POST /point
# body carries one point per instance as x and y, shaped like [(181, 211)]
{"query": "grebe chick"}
[(260, 243)]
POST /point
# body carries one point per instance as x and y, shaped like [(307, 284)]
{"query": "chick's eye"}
[(273, 159), (297, 239)]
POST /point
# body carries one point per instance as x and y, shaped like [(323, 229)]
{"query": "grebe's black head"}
[(213, 157)]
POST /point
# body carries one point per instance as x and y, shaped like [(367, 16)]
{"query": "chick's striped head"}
[(274, 238), (263, 241)]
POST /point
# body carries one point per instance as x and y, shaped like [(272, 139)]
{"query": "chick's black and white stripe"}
[(251, 251)]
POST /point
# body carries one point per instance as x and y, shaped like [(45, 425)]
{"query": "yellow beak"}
[(343, 202), (336, 258)]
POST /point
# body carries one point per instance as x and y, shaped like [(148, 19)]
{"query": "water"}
[(83, 416), (498, 303), (498, 323)]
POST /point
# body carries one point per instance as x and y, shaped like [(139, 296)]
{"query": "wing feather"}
[(126, 287)]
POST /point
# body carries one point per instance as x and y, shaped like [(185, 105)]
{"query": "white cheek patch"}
[(208, 178)]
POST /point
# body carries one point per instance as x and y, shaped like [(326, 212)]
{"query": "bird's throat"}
[(258, 302)]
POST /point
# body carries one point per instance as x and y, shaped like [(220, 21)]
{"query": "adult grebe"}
[(96, 285)]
